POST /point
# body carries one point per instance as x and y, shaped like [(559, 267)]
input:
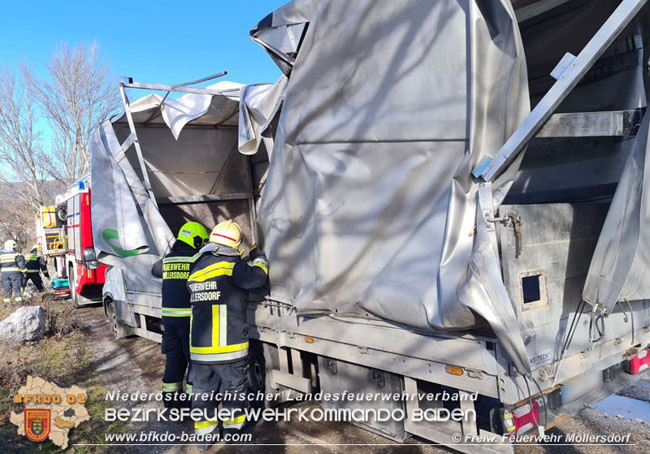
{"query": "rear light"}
[(637, 363), (520, 420), (453, 370)]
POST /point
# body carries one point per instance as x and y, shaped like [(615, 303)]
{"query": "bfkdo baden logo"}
[(37, 423), (43, 410)]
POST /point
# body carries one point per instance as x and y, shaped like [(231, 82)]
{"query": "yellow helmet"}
[(226, 233), (194, 234)]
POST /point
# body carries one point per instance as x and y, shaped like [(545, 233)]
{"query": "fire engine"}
[(50, 237), (85, 274)]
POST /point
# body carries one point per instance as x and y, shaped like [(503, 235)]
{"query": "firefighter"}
[(218, 287), (174, 270), (35, 264), (12, 264)]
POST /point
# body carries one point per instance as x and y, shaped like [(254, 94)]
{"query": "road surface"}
[(136, 364)]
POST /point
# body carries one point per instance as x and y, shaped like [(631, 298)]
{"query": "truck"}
[(452, 196), (78, 263)]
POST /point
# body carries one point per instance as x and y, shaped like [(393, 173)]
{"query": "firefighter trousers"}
[(12, 283), (226, 380), (36, 280), (176, 347)]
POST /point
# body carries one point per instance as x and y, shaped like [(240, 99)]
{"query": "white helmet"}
[(226, 233), (10, 245)]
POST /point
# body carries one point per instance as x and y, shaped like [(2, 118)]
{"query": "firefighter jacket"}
[(35, 263), (218, 285), (11, 262), (174, 270)]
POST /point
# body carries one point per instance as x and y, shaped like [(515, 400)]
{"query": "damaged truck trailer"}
[(453, 196)]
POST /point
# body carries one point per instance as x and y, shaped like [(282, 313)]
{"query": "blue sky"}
[(152, 41)]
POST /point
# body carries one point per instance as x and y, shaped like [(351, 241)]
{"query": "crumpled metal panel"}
[(369, 208), (123, 213), (620, 268)]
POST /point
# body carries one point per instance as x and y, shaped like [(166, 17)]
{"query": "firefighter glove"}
[(256, 252)]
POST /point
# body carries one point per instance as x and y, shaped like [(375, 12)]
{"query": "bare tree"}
[(67, 105), (16, 222), (78, 95), (22, 166)]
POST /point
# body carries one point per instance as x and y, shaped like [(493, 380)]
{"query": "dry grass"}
[(60, 356), (64, 356), (60, 315)]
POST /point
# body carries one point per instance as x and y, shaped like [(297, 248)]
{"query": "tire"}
[(61, 214), (116, 326), (75, 299), (73, 291), (256, 369), (259, 370)]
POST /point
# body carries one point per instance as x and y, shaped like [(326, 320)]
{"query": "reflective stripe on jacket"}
[(218, 288), (35, 263), (174, 270), (11, 262)]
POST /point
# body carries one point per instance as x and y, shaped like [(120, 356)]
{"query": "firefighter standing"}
[(174, 270), (218, 287), (12, 264), (35, 264)]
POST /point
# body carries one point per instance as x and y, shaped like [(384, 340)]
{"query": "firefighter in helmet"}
[(218, 287), (174, 270), (12, 264), (35, 264)]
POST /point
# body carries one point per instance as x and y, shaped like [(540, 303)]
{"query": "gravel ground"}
[(136, 364)]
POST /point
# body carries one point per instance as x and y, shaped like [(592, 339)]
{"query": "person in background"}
[(218, 286), (12, 264), (35, 264), (174, 269)]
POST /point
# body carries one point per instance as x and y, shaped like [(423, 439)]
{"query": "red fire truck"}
[(50, 236), (85, 274)]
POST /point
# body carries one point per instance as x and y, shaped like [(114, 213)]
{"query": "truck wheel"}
[(259, 371), (73, 292), (116, 326), (61, 213), (75, 298), (78, 300), (256, 373)]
